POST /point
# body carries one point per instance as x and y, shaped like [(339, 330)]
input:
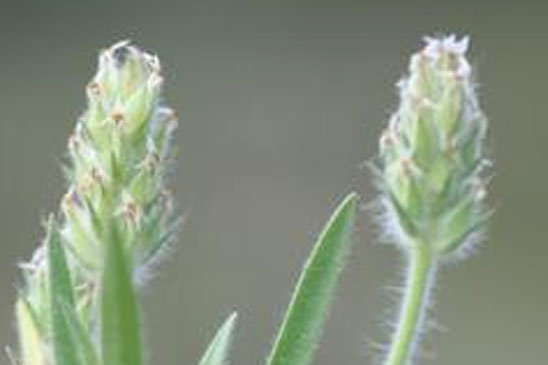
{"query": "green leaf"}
[(120, 335), (307, 312), (83, 343), (30, 337), (217, 351), (61, 291)]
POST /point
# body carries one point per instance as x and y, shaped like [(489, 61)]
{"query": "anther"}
[(118, 118), (94, 89)]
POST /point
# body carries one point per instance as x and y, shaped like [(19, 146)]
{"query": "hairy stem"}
[(421, 270)]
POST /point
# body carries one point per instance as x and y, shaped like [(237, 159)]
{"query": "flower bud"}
[(115, 172), (432, 151)]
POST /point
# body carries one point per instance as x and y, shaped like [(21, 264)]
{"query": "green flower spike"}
[(117, 160), (431, 174)]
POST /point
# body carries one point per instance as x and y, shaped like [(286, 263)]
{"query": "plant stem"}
[(421, 270)]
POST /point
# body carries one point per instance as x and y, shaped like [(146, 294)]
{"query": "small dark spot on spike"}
[(76, 199), (94, 88), (120, 55), (117, 117), (96, 175)]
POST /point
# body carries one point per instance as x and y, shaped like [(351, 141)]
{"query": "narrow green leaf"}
[(61, 291), (121, 340), (307, 312), (217, 351), (83, 344), (30, 337)]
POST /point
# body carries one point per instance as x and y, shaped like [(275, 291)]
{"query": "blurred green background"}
[(281, 102)]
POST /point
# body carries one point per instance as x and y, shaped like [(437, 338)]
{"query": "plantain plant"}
[(79, 301), (431, 177)]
